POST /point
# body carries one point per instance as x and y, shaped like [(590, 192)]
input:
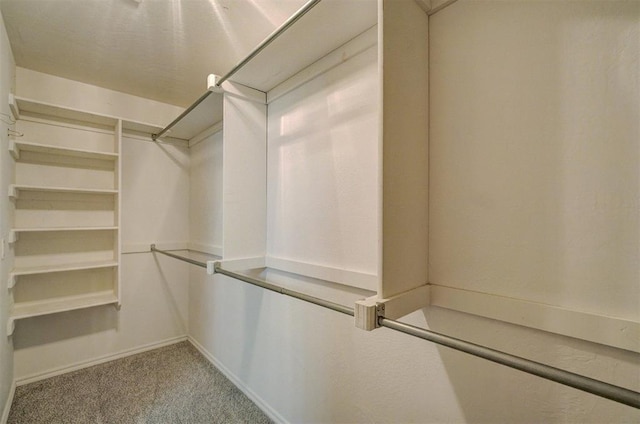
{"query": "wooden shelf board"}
[(17, 146), (79, 266), (203, 116), (15, 189), (34, 106), (63, 304), (323, 29), (13, 233), (140, 127)]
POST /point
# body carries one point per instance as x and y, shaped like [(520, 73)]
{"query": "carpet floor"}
[(173, 384)]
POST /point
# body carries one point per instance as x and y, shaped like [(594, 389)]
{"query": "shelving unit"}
[(66, 195), (317, 119), (341, 133)]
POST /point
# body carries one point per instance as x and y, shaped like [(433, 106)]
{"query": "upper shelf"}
[(327, 26), (288, 50), (206, 114), (20, 104)]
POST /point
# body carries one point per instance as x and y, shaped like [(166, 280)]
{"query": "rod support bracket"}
[(212, 83), (369, 311), (212, 267)]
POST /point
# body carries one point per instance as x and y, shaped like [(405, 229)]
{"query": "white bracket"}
[(13, 149), (11, 325), (13, 236), (12, 280), (13, 192), (369, 311), (13, 106), (212, 83), (211, 267)]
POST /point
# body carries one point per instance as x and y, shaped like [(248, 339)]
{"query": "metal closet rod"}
[(274, 35), (577, 381), (182, 258)]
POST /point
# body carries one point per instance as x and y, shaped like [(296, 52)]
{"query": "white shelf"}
[(21, 104), (58, 268), (13, 234), (207, 114), (15, 147), (62, 304), (327, 26), (15, 189)]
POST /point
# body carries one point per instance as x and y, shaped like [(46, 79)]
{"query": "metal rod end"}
[(153, 247)]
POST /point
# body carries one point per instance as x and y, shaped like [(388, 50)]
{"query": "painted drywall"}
[(322, 169), (303, 363), (535, 154), (65, 92), (7, 80), (155, 208), (205, 194)]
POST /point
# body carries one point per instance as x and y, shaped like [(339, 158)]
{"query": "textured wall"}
[(7, 79), (535, 152)]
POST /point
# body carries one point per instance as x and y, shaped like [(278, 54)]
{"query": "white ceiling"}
[(158, 49)]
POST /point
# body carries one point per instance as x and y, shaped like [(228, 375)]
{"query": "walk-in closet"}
[(319, 211)]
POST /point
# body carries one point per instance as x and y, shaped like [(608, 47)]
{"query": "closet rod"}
[(577, 381), (265, 285), (182, 258), (187, 111), (275, 34)]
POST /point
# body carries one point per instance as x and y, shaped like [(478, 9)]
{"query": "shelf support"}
[(13, 192), (13, 106), (369, 311), (11, 325), (12, 280), (14, 150), (13, 236)]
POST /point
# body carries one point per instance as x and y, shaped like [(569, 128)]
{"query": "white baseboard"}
[(7, 405), (97, 361), (266, 408)]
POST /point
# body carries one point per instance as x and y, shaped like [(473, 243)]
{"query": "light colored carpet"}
[(173, 384)]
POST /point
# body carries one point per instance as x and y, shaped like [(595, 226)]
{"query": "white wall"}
[(535, 154), (155, 192), (7, 80), (322, 170), (205, 194), (306, 364), (64, 92)]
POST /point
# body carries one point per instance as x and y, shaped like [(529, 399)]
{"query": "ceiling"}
[(158, 49)]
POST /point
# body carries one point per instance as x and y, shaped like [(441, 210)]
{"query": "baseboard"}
[(7, 405), (268, 410), (97, 361)]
